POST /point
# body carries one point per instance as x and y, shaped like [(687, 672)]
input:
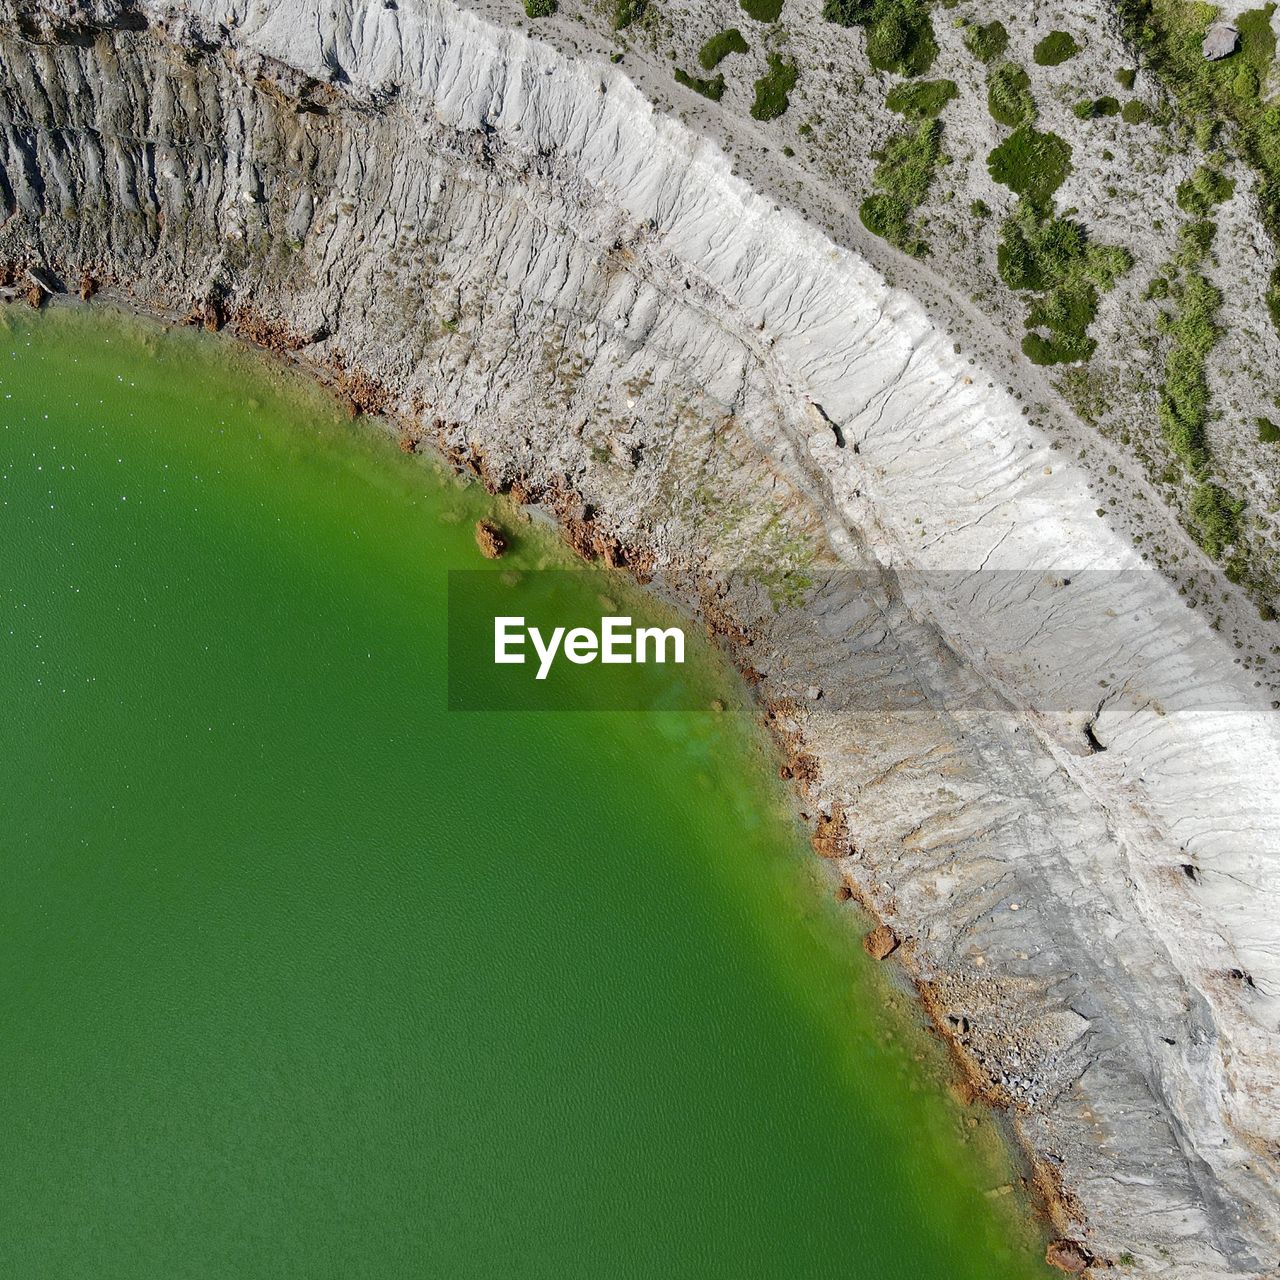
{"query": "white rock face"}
[(1220, 41), (1057, 781)]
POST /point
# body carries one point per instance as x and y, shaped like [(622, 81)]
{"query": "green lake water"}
[(302, 975)]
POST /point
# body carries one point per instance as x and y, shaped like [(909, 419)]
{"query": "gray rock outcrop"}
[(1220, 41)]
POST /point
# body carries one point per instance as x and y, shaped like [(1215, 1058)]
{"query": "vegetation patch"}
[(1216, 518), (720, 46), (540, 8), (1041, 253), (1009, 96), (1207, 187), (1096, 108), (773, 89), (902, 179), (1031, 164), (1170, 32), (625, 12), (713, 88), (1184, 398), (1215, 515), (986, 41), (1050, 255), (762, 10), (1268, 432), (899, 32), (1135, 112), (921, 99), (1055, 48), (1126, 77)]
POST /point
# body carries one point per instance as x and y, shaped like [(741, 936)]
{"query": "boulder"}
[(880, 942), (1220, 41), (1068, 1256), (490, 539)]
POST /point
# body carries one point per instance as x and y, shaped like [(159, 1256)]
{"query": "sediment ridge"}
[(1048, 777)]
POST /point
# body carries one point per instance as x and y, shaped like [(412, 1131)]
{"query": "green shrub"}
[(539, 8), (921, 99), (1204, 189), (762, 10), (1104, 264), (713, 88), (899, 32), (889, 218), (1036, 252), (1031, 163), (1210, 94), (979, 209), (1093, 108), (1135, 112), (1055, 48), (625, 12), (1052, 256), (1009, 96), (1245, 83), (1257, 38), (1126, 77), (903, 177), (1194, 241), (720, 46), (1056, 350), (773, 89), (986, 42), (1184, 401), (848, 13), (1158, 288), (1268, 432), (907, 162), (887, 38), (1216, 515)]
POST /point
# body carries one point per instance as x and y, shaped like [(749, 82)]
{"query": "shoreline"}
[(950, 778), (1049, 1201)]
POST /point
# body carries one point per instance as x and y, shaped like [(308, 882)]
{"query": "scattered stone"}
[(1068, 1256), (785, 772), (1220, 41), (880, 942), (408, 443), (831, 834), (814, 693), (490, 540), (88, 287), (717, 705), (269, 332), (41, 280), (844, 893), (208, 314)]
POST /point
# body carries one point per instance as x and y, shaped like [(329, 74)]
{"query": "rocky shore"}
[(1050, 780)]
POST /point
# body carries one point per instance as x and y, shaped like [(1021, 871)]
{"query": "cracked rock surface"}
[(1048, 777)]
